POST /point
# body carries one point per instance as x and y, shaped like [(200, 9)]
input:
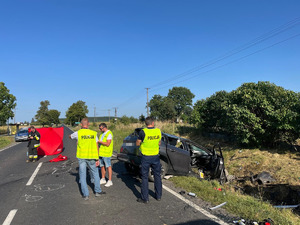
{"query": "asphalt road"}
[(53, 195)]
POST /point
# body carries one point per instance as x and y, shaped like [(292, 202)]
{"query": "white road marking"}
[(203, 211), (10, 146), (34, 174), (10, 217)]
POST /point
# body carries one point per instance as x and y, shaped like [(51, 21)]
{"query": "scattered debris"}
[(263, 178), (251, 222), (201, 174), (218, 189), (192, 194), (239, 222), (286, 206), (168, 177), (218, 206), (182, 192)]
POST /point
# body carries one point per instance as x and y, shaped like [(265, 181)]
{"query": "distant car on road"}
[(22, 135), (177, 156)]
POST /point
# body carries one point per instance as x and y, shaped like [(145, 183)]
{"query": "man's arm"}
[(140, 138), (107, 143), (138, 142), (74, 135)]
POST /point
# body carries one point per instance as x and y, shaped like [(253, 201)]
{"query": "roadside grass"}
[(5, 141), (244, 206)]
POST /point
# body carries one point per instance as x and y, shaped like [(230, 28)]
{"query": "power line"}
[(235, 51), (270, 46)]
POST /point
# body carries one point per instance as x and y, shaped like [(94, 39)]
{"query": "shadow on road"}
[(131, 180)]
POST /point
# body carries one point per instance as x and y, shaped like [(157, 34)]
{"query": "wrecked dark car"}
[(177, 156)]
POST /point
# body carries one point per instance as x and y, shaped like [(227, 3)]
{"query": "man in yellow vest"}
[(149, 140), (87, 154), (105, 152)]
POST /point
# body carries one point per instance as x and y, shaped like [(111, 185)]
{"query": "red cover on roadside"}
[(51, 140)]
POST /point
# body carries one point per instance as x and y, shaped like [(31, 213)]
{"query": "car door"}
[(179, 156)]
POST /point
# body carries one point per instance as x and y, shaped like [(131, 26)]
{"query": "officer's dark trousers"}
[(154, 163)]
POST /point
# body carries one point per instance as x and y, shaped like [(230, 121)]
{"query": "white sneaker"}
[(102, 181), (109, 183)]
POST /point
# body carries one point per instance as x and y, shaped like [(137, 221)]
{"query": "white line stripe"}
[(34, 174), (10, 146), (203, 211), (10, 217)]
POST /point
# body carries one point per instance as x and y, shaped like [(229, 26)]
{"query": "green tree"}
[(7, 104), (162, 108), (142, 118), (42, 115), (182, 98), (255, 114), (54, 116), (125, 120), (76, 112)]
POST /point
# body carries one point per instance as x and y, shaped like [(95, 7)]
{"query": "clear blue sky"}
[(107, 52)]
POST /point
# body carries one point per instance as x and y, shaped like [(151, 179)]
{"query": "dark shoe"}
[(100, 193), (158, 199), (142, 201)]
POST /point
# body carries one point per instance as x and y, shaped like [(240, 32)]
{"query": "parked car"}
[(177, 156), (22, 135)]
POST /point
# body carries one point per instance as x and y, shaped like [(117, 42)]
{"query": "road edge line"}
[(10, 217), (192, 204), (34, 174)]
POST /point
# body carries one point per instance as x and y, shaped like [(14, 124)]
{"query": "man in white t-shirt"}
[(105, 153)]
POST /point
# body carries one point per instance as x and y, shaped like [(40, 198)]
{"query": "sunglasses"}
[(100, 128)]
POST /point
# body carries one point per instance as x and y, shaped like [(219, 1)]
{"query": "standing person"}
[(105, 153), (34, 142), (149, 141), (87, 154)]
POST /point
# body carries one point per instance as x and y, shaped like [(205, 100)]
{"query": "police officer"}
[(149, 140), (34, 142), (87, 154)]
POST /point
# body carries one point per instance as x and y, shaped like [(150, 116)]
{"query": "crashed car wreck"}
[(177, 156)]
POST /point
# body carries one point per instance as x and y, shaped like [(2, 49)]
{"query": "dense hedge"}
[(255, 114)]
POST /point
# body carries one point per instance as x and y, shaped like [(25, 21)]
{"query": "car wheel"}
[(164, 169)]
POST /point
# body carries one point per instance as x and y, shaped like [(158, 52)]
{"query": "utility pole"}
[(94, 113), (15, 116), (115, 112), (109, 115), (147, 102)]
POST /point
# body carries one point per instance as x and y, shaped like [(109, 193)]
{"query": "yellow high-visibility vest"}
[(150, 144), (87, 145), (106, 151)]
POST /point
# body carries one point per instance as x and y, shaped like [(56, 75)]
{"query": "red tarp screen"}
[(51, 140)]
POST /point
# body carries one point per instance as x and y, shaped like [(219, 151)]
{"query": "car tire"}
[(164, 169)]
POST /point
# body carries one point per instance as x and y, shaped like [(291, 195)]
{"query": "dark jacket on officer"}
[(35, 142)]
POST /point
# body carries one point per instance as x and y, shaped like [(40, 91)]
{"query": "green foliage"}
[(76, 112), (7, 104), (182, 98), (142, 118), (162, 108), (54, 116), (42, 115), (255, 114), (127, 120), (45, 116), (5, 141)]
